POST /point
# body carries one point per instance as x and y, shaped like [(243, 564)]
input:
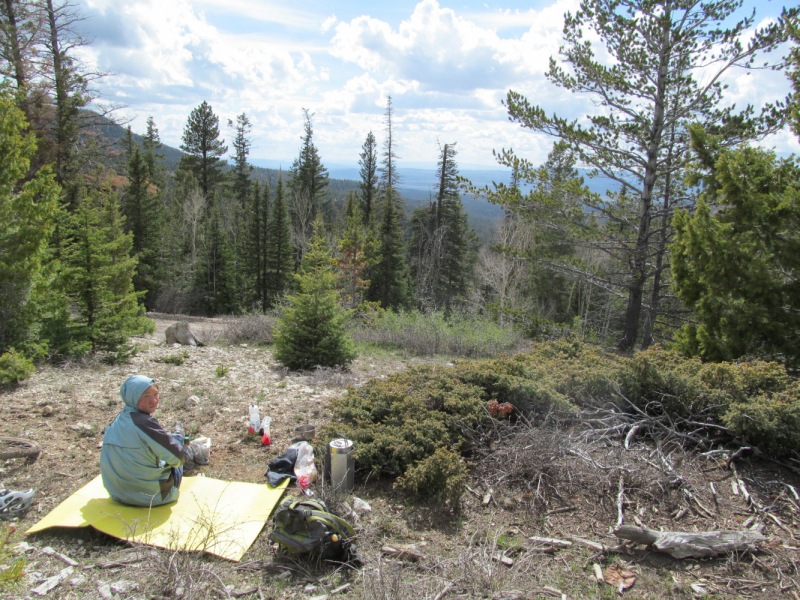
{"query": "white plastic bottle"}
[(255, 420)]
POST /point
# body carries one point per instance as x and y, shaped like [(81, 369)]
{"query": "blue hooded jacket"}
[(138, 456)]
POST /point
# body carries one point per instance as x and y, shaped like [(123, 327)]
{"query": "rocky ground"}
[(411, 548)]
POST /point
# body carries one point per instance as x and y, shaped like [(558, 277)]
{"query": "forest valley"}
[(694, 244)]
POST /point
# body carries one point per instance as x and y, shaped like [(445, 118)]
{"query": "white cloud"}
[(328, 23)]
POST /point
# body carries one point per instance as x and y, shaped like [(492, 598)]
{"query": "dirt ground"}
[(481, 551)]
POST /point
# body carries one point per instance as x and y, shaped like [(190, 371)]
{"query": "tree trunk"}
[(684, 545), (636, 286)]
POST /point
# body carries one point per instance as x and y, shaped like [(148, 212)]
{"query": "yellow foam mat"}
[(218, 517)]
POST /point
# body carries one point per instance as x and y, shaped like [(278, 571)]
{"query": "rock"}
[(176, 345), (47, 411), (309, 588), (192, 401), (105, 592), (23, 548), (76, 581), (360, 506), (82, 427), (175, 386), (123, 586), (51, 582), (181, 334)]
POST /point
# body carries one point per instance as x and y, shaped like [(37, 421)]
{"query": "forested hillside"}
[(659, 220)]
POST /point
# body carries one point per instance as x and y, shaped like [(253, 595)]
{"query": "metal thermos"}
[(343, 466)]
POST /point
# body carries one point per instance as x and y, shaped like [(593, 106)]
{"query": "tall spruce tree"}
[(143, 219), (442, 252), (389, 275), (27, 211), (203, 147), (369, 176), (308, 183), (389, 176), (312, 330), (214, 284), (93, 305), (151, 144), (279, 257), (242, 143), (650, 92)]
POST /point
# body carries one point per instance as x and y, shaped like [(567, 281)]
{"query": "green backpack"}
[(308, 527)]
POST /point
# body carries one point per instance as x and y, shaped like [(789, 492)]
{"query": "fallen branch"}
[(683, 545), (563, 509), (620, 501), (550, 542)]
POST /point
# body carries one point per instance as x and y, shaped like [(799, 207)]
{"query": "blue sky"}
[(446, 64)]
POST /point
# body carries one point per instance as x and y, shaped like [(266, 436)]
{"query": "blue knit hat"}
[(133, 388)]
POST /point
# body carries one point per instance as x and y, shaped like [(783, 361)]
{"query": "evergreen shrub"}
[(14, 367), (400, 423), (758, 400)]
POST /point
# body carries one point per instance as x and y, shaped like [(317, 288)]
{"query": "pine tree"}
[(312, 330), (143, 219), (389, 176), (389, 277), (279, 257), (369, 176), (308, 183), (242, 143), (443, 246), (214, 283), (27, 211), (650, 93), (96, 280), (151, 144), (356, 246), (203, 147)]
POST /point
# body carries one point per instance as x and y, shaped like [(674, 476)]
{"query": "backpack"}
[(308, 527)]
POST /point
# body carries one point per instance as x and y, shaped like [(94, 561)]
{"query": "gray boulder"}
[(179, 333)]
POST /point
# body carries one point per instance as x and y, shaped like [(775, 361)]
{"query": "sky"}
[(447, 66)]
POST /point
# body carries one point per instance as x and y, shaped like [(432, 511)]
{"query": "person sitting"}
[(141, 464)]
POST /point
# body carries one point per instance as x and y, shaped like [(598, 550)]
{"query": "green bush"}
[(443, 475), (758, 400), (428, 334), (400, 423), (175, 359), (14, 367)]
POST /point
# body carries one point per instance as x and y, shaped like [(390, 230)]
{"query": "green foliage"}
[(640, 137), (308, 178), (443, 475), (14, 367), (279, 249), (389, 283), (91, 305), (175, 359), (369, 177), (431, 333), (221, 371), (739, 270), (12, 568), (203, 147), (442, 249), (758, 400), (27, 208), (312, 330)]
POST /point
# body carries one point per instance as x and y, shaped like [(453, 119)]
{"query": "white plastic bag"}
[(304, 468), (202, 450), (255, 420)]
